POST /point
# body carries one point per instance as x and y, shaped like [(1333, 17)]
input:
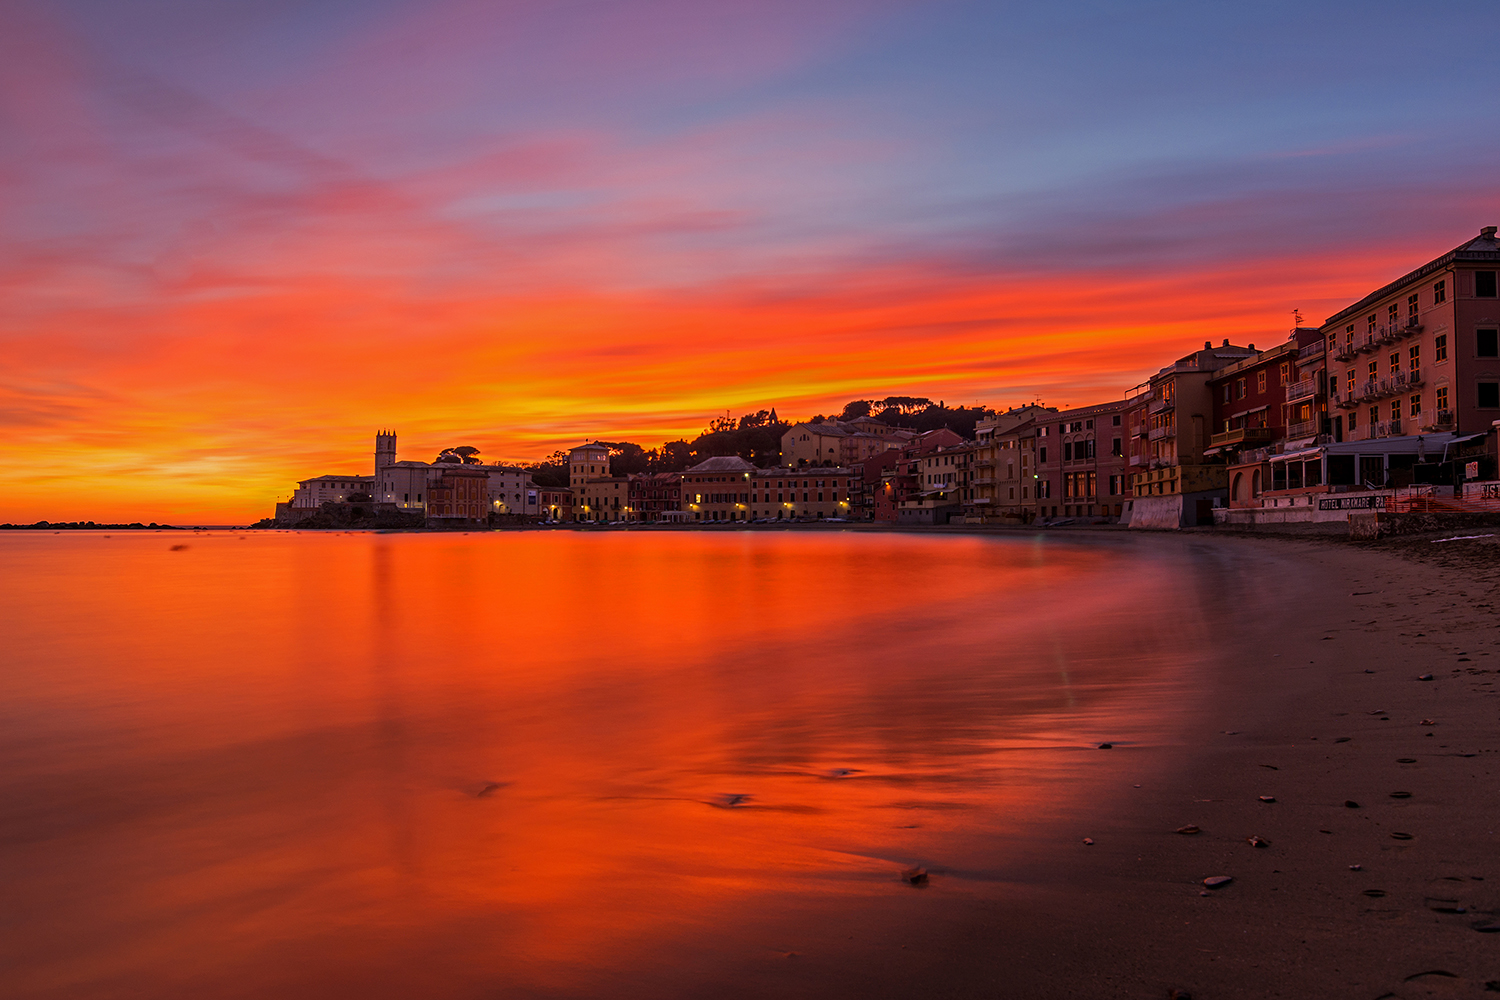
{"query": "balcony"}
[(1385, 429), (1343, 400), (1162, 405), (1301, 429), (1435, 421), (1243, 435), (1313, 350), (983, 481), (1346, 352), (1157, 433), (1369, 342), (1301, 390)]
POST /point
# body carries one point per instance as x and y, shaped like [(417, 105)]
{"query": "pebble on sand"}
[(1217, 881)]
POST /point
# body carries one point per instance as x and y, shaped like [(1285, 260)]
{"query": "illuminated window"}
[(1395, 362), (1416, 405), (1414, 358), (1442, 398), (1260, 380), (1395, 409), (1440, 348)]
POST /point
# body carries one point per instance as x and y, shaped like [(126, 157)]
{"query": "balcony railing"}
[(1301, 390), (1301, 429), (1385, 428), (1157, 433), (1435, 420), (1313, 350), (1243, 435), (1346, 352), (1160, 405)]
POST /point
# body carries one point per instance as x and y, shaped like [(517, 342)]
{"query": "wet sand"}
[(1316, 702)]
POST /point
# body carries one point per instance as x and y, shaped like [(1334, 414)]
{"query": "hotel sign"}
[(1353, 503)]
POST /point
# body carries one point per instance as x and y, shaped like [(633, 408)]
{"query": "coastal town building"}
[(1177, 487), (654, 496), (944, 485), (333, 488), (993, 489), (1080, 462), (838, 442)]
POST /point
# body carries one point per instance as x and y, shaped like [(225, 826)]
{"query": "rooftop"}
[(1484, 248)]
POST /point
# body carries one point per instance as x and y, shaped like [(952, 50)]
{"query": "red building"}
[(460, 494), (651, 493)]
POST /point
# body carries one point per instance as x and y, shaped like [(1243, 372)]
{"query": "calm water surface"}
[(542, 764)]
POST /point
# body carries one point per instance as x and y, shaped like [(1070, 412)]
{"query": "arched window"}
[(1255, 483)]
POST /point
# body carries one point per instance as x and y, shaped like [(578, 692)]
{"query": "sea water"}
[(543, 763)]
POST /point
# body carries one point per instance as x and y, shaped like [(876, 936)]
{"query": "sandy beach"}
[(1377, 794)]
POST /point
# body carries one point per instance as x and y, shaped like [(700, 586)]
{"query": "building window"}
[(1374, 370), (1116, 421), (1352, 419), (1115, 449), (1374, 416), (1488, 397), (1416, 405), (1486, 343), (1395, 409), (1484, 284), (1440, 348), (1041, 454), (1260, 380), (1226, 392), (1239, 389), (1391, 314), (1442, 398), (1286, 372), (1411, 306), (1351, 381), (1395, 362), (1414, 359), (1370, 322)]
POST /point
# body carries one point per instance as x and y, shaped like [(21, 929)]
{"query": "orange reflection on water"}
[(545, 763)]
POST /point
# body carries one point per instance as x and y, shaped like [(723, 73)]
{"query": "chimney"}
[(1208, 345), (1226, 341), (1249, 347), (1488, 232)]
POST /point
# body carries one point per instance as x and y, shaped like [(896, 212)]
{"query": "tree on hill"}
[(462, 455)]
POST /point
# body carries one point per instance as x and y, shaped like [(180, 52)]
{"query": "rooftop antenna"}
[(1296, 319)]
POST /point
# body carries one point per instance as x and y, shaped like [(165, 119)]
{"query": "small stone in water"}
[(1350, 804), (1374, 893), (1425, 677), (914, 876), (1406, 760), (1401, 836), (1401, 795), (1089, 841), (1258, 842), (1189, 829), (1356, 868), (1268, 798), (1216, 881), (1106, 746), (1428, 722)]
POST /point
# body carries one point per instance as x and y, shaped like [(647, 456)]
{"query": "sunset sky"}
[(237, 237)]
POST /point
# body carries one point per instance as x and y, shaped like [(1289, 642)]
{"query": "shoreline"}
[(1291, 709)]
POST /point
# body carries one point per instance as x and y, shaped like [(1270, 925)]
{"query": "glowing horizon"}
[(239, 240)]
